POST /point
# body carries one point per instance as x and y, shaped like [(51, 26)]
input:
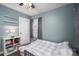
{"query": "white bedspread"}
[(46, 48)]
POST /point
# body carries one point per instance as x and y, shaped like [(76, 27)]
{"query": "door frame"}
[(29, 28)]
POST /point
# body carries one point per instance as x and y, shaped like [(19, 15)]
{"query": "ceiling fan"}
[(28, 5)]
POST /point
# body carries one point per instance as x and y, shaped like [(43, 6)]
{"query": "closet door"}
[(35, 28), (24, 30)]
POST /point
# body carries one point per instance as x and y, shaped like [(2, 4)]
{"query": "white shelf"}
[(10, 49), (11, 52)]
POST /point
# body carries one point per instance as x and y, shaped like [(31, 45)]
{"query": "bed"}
[(46, 48)]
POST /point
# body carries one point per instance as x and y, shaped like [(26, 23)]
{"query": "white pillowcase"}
[(62, 49), (64, 44)]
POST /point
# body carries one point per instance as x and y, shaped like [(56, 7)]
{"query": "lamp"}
[(11, 30)]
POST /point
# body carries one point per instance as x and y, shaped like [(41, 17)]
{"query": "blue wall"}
[(57, 24), (9, 12)]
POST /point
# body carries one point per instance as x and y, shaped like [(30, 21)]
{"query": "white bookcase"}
[(11, 45)]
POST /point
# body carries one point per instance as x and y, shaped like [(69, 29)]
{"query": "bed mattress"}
[(46, 48)]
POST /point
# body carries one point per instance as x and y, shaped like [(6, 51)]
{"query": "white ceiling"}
[(39, 7)]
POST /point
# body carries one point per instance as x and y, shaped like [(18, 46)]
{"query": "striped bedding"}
[(46, 48)]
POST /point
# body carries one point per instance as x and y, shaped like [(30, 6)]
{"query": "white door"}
[(24, 30)]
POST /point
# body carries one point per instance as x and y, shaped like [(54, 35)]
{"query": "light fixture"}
[(28, 5), (10, 29)]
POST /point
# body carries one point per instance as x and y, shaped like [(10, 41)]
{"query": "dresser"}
[(11, 45)]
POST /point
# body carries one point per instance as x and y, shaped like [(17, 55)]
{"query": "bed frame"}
[(26, 53)]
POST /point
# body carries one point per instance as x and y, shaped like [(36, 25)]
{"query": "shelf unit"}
[(11, 45)]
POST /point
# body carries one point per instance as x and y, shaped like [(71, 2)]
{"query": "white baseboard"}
[(1, 52)]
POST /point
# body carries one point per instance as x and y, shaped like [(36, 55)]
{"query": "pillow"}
[(63, 52), (62, 49), (63, 45)]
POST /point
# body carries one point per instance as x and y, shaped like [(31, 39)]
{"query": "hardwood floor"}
[(18, 54), (13, 54)]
